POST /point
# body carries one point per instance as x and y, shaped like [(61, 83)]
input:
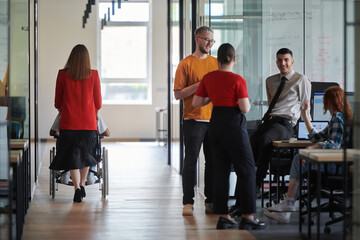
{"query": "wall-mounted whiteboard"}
[(315, 34)]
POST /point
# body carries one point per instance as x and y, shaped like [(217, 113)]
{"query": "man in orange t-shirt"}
[(188, 75)]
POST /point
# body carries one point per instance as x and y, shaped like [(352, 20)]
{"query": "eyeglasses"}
[(208, 40)]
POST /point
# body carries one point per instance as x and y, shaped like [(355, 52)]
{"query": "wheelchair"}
[(99, 172)]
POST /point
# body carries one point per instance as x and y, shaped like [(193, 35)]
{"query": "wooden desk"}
[(318, 157), (292, 144), (23, 145), (15, 156), (19, 143)]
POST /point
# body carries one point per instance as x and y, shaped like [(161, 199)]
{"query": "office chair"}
[(337, 199)]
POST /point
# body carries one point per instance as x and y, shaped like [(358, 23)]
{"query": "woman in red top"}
[(229, 139), (78, 98)]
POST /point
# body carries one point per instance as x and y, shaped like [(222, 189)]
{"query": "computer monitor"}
[(351, 98), (302, 133), (318, 111)]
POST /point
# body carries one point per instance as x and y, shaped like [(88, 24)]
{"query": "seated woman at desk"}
[(329, 138)]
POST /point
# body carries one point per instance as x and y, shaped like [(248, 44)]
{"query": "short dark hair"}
[(203, 29), (284, 51), (226, 53)]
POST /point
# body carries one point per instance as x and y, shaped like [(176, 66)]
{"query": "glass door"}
[(238, 22), (175, 55), (19, 76), (5, 180), (352, 82)]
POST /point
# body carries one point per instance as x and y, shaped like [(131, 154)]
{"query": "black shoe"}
[(83, 193), (248, 224), (77, 196), (224, 223), (235, 211)]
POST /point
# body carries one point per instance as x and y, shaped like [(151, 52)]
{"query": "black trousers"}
[(230, 145), (261, 140), (195, 135)]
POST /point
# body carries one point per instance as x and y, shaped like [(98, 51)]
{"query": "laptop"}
[(302, 133)]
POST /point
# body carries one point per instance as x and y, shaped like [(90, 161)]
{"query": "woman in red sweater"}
[(229, 139), (78, 98)]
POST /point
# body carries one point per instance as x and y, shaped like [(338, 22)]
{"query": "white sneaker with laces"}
[(188, 210), (288, 205), (280, 217)]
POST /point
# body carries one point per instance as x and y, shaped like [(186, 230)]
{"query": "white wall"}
[(60, 29)]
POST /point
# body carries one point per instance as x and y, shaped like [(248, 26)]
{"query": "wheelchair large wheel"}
[(105, 174), (52, 174)]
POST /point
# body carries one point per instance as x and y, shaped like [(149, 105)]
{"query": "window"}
[(125, 53)]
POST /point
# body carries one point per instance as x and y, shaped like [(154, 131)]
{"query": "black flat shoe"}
[(83, 193), (77, 196), (224, 223), (248, 224)]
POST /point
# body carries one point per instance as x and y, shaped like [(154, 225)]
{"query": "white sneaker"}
[(188, 210), (287, 205), (280, 217), (90, 179), (65, 177)]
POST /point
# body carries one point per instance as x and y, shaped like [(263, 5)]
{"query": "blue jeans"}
[(294, 170), (195, 134)]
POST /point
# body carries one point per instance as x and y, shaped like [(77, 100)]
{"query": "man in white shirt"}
[(279, 122)]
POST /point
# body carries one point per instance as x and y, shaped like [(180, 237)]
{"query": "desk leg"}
[(318, 190), (28, 178), (270, 182), (308, 202)]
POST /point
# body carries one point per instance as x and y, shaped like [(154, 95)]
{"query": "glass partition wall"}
[(352, 82), (14, 98), (5, 183), (175, 55), (259, 28), (19, 69)]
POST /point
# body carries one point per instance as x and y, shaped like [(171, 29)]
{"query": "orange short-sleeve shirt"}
[(190, 71)]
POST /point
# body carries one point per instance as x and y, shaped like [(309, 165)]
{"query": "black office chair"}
[(279, 168), (337, 201)]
